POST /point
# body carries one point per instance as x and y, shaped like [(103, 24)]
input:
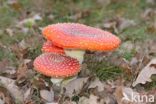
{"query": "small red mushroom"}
[(48, 46), (56, 66), (76, 38)]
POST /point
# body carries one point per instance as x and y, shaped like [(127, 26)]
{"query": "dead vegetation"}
[(106, 77)]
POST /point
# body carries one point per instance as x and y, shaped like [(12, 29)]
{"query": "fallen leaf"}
[(126, 95), (83, 100), (118, 94), (84, 70), (27, 94), (22, 71), (152, 27), (15, 5), (129, 94), (48, 96), (91, 100), (94, 100), (29, 102), (10, 32), (19, 51), (123, 23), (118, 24), (1, 101), (104, 2), (75, 86), (5, 97), (146, 73), (12, 88), (151, 45), (97, 83), (69, 102), (51, 17), (22, 44), (51, 103), (151, 1), (148, 13), (3, 64), (80, 14)]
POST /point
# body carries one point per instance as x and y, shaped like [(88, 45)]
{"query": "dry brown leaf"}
[(15, 5), (129, 96), (3, 65), (151, 1), (10, 85), (119, 24), (84, 70), (75, 86), (5, 68), (80, 14), (91, 100), (152, 28), (48, 96), (68, 102), (146, 73), (124, 23), (23, 72), (10, 32), (29, 102), (97, 83), (22, 44), (148, 13), (118, 94), (126, 95), (152, 47), (5, 97), (27, 94), (19, 51)]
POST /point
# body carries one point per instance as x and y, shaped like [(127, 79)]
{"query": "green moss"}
[(8, 16), (151, 85), (5, 54), (9, 40), (135, 33), (128, 55), (2, 54), (34, 52), (105, 71)]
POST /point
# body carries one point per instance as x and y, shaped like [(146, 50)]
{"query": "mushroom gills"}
[(77, 54)]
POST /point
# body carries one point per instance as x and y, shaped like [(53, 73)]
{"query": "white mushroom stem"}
[(61, 81), (56, 81), (68, 80), (77, 54)]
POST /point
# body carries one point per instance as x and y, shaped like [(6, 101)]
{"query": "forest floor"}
[(106, 77)]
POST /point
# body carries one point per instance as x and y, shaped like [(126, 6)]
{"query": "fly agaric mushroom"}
[(56, 66), (75, 38), (48, 46)]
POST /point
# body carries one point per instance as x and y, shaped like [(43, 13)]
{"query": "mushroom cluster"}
[(66, 43)]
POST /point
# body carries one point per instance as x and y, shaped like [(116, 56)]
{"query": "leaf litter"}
[(20, 83)]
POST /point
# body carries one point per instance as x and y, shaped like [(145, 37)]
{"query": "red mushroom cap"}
[(56, 65), (79, 36), (48, 46)]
